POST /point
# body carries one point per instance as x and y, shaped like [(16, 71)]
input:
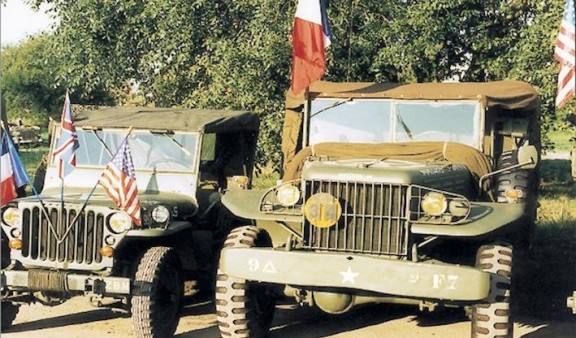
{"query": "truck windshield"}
[(380, 121), (161, 151)]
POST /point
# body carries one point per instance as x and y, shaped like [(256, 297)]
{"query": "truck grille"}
[(373, 218), (47, 242)]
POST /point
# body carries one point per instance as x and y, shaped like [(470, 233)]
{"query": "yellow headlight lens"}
[(288, 195), (119, 222), (434, 203), (11, 216), (322, 210)]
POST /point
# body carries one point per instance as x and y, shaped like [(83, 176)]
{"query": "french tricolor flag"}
[(310, 37), (12, 172)]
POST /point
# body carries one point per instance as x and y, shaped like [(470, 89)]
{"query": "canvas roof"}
[(507, 95), (206, 120)]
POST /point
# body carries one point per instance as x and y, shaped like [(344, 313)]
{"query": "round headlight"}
[(459, 207), (434, 203), (160, 214), (288, 195), (119, 222), (11, 217)]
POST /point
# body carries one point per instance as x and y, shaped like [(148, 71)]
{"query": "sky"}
[(18, 20)]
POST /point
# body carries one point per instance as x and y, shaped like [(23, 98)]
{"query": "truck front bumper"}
[(351, 271), (45, 280)]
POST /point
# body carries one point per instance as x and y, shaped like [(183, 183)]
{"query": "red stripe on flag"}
[(309, 62), (310, 37)]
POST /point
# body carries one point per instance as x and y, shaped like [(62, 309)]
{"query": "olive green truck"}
[(416, 194)]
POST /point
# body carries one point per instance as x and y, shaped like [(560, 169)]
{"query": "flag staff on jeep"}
[(401, 193)]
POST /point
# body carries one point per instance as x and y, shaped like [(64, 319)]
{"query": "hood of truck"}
[(186, 205), (438, 175)]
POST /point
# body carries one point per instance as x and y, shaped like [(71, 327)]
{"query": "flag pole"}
[(306, 122), (94, 188)]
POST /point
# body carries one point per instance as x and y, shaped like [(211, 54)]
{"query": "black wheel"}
[(518, 179), (158, 292), (9, 312), (244, 308), (524, 181), (492, 319)]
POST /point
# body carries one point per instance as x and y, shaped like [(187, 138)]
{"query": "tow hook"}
[(94, 286)]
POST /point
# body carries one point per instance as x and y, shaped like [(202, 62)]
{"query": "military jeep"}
[(391, 193), (25, 135), (73, 240)]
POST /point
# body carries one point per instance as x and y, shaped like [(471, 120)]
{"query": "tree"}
[(237, 54), (33, 84)]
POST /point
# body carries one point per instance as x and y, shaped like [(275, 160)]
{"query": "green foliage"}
[(27, 81), (237, 54), (34, 82)]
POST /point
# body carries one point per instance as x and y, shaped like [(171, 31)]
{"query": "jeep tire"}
[(157, 296), (9, 311), (244, 309), (492, 319)]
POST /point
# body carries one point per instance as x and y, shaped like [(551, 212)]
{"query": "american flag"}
[(65, 151), (119, 181), (564, 53)]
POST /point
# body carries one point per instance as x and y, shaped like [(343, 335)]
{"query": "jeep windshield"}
[(151, 150), (381, 121)]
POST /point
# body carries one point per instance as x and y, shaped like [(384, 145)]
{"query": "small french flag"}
[(12, 172)]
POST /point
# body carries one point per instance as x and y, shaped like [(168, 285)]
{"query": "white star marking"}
[(348, 276)]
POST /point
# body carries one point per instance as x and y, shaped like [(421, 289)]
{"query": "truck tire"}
[(492, 319), (522, 180), (157, 295), (518, 179), (244, 309), (9, 311)]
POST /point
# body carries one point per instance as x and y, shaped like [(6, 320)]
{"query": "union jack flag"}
[(564, 53), (119, 181), (65, 151)]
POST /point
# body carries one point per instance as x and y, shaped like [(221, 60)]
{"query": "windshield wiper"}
[(104, 145), (167, 134), (333, 105), (405, 127)]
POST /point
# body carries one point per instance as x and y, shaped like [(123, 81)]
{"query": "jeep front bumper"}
[(54, 281), (339, 270)]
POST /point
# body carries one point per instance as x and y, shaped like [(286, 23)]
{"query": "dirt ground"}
[(78, 319)]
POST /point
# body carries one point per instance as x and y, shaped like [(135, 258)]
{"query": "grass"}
[(547, 276), (31, 157), (561, 139)]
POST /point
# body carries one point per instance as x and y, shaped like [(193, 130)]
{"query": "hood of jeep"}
[(438, 175), (186, 205)]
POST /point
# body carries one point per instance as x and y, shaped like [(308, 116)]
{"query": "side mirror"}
[(527, 156)]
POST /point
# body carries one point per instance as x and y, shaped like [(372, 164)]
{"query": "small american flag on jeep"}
[(119, 181)]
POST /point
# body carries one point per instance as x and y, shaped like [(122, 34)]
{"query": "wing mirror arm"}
[(527, 157)]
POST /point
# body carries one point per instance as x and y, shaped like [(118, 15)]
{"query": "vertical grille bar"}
[(373, 218), (51, 240)]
